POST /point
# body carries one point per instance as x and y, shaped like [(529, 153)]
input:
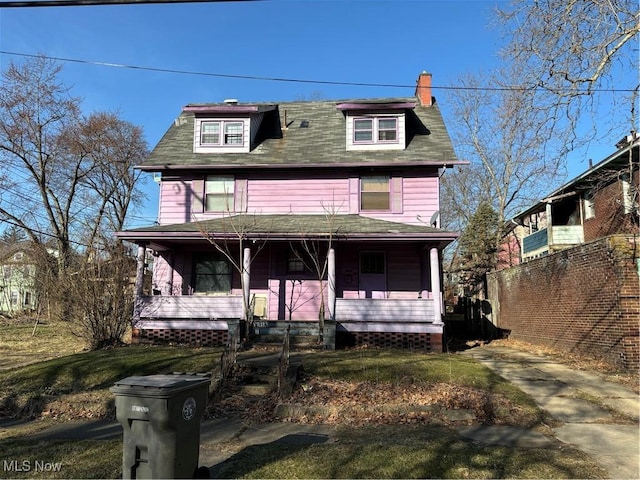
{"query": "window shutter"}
[(354, 195), (197, 195), (396, 195), (241, 194)]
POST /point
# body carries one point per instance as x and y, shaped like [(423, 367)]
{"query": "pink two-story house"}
[(321, 214)]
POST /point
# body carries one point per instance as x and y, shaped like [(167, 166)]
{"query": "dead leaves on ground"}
[(321, 400)]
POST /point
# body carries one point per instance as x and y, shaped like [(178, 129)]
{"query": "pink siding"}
[(268, 192), (298, 195), (175, 201)]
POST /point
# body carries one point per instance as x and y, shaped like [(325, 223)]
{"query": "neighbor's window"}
[(372, 263), (374, 193), (627, 194), (219, 193), (375, 130), (221, 133), (589, 207), (212, 274)]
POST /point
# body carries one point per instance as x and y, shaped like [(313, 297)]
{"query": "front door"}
[(373, 275)]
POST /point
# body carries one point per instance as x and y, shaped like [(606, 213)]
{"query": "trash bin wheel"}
[(201, 472)]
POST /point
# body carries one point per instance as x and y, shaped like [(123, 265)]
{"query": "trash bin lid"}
[(158, 385)]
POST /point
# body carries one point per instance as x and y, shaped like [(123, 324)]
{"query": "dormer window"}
[(221, 133), (373, 130)]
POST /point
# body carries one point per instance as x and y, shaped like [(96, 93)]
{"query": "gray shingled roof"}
[(321, 142), (272, 226)]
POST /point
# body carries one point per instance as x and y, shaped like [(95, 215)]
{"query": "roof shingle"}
[(320, 141)]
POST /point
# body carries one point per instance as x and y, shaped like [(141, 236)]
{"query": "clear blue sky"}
[(382, 42)]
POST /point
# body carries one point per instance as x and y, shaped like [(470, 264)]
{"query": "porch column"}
[(246, 278), (137, 301), (170, 272), (435, 284), (331, 279)]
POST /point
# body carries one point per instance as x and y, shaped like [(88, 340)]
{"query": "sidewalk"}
[(599, 417)]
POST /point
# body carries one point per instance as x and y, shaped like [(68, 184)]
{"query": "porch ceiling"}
[(339, 228)]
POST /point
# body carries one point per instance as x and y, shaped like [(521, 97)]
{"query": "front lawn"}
[(77, 386), (406, 452)]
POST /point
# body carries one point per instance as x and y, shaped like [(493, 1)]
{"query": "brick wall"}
[(609, 213), (584, 299)]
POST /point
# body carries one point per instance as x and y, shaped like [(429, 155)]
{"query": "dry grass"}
[(23, 342)]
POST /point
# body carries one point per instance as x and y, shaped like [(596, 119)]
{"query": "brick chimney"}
[(423, 89)]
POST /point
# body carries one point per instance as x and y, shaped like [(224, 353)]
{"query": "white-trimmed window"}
[(219, 193), (589, 207), (374, 130), (221, 133), (627, 194), (374, 193)]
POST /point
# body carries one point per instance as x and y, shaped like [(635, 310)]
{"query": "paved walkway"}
[(599, 417)]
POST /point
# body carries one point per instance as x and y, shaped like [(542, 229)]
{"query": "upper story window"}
[(221, 133), (373, 130), (374, 193), (219, 193)]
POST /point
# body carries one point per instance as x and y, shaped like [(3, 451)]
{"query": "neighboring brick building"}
[(577, 288), (602, 201), (585, 299)]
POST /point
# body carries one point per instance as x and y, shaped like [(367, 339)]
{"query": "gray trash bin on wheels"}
[(160, 416)]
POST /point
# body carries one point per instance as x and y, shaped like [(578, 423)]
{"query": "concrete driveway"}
[(598, 417)]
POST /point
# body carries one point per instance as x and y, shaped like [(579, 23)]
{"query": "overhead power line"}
[(84, 3), (296, 80)]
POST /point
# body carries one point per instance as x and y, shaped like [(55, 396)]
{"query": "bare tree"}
[(36, 111), (231, 242), (69, 175), (100, 300), (513, 159), (69, 183), (314, 255), (114, 147), (499, 132), (582, 56)]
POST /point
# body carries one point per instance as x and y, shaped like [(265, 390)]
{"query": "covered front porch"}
[(381, 288)]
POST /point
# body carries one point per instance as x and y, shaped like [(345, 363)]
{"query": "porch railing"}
[(385, 310), (191, 307), (560, 235)]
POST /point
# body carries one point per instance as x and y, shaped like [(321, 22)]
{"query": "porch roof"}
[(287, 227)]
